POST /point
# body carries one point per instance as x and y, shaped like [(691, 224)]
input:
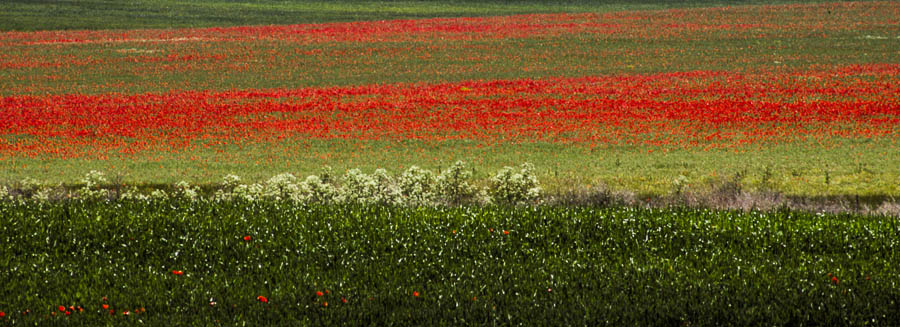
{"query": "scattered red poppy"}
[(68, 312), (125, 313), (2, 314), (62, 308), (505, 232), (177, 272), (112, 312), (490, 230), (343, 300), (416, 294), (324, 304), (105, 306), (319, 293), (104, 299), (834, 279), (262, 299), (327, 292), (247, 238), (454, 232)]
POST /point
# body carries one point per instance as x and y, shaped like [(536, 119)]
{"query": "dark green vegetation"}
[(32, 15), (556, 266)]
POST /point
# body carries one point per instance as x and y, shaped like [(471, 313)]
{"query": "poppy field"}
[(805, 93)]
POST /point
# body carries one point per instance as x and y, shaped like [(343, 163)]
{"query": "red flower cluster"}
[(761, 21), (674, 110)]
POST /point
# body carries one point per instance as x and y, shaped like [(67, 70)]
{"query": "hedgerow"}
[(414, 187)]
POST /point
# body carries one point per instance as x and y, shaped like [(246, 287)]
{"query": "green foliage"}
[(469, 266), (454, 185), (511, 187)]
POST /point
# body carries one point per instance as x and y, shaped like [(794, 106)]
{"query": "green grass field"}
[(32, 15)]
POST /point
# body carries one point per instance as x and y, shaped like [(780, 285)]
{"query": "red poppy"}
[(2, 314), (105, 306), (319, 293), (834, 279), (262, 299), (177, 272), (343, 300), (327, 292), (454, 232), (505, 232), (62, 308), (324, 304), (68, 313), (416, 294), (247, 238)]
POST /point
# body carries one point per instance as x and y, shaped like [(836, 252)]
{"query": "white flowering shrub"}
[(418, 187), (159, 195), (226, 191), (453, 184), (250, 192), (414, 187), (42, 194), (230, 181), (282, 187), (314, 190), (386, 189), (513, 187), (186, 191), (133, 194), (483, 197), (28, 186), (378, 188), (91, 189), (326, 175), (357, 187)]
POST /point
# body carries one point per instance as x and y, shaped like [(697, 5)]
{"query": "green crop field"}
[(184, 263)]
